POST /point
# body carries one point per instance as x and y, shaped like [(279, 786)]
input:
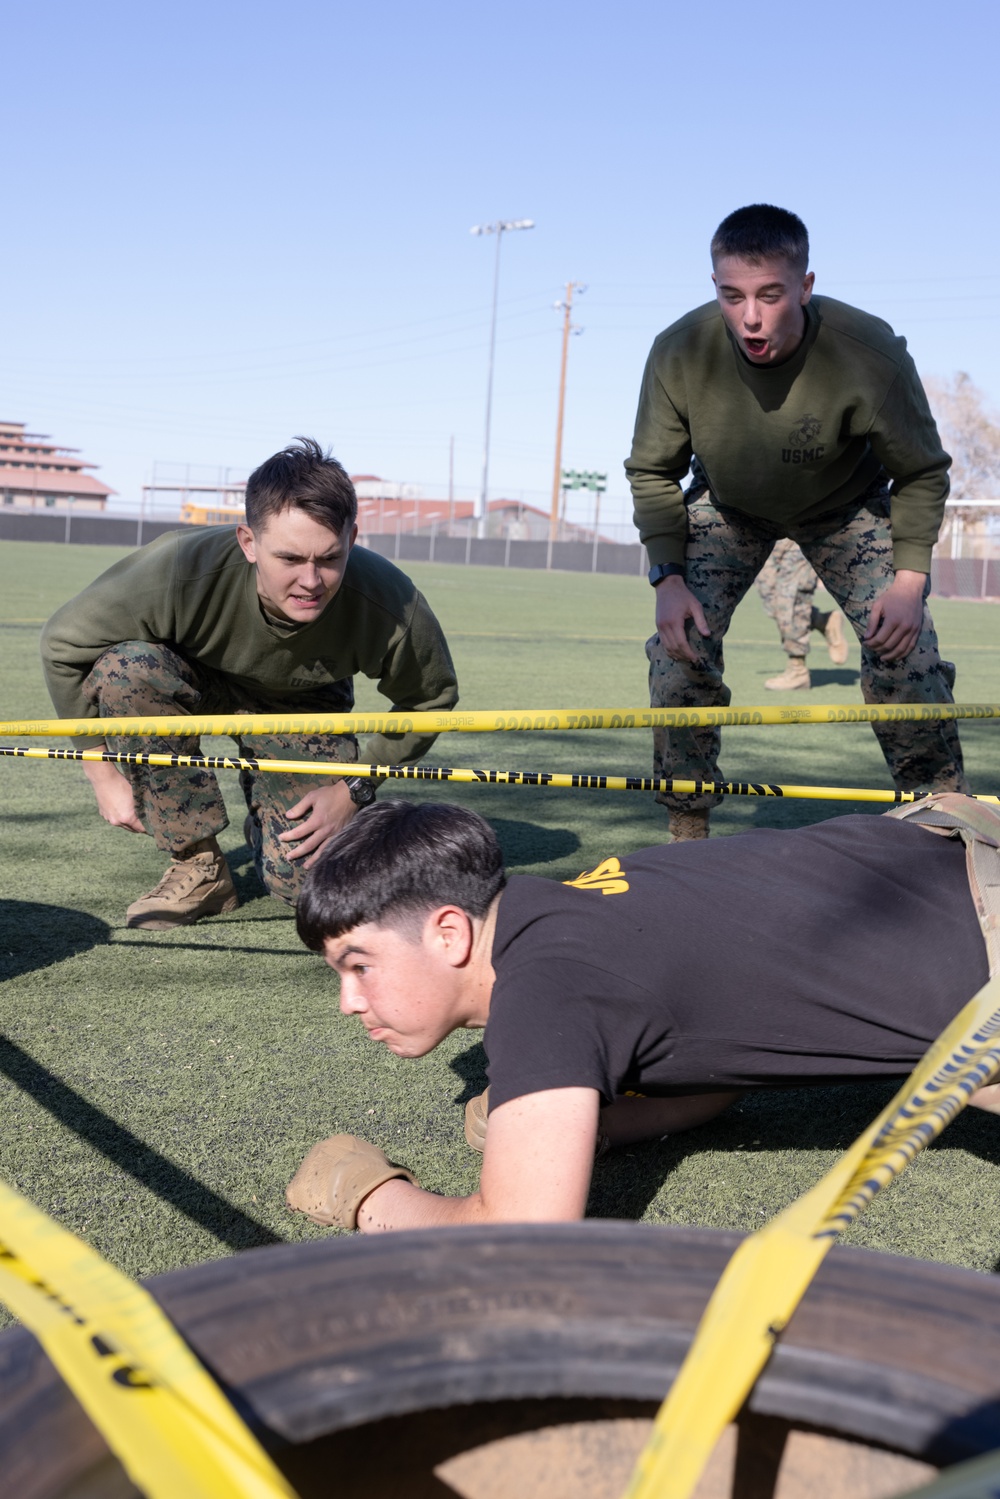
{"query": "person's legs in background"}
[(787, 587)]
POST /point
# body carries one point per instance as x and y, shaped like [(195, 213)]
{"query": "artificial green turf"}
[(160, 1088)]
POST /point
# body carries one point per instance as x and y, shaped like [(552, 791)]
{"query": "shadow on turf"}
[(34, 936), (119, 1145), (823, 1119), (531, 843), (246, 881), (470, 1068), (34, 816), (273, 952)]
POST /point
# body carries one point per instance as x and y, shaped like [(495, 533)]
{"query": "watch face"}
[(361, 792)]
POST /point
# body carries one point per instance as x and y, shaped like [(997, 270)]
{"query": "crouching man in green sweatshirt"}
[(274, 616), (800, 417)]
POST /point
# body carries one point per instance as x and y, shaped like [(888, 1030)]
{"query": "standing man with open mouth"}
[(800, 417)]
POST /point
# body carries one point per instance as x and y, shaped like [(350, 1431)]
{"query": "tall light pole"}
[(567, 309), (497, 228)]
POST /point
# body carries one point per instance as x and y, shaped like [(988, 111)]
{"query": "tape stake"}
[(492, 720), (156, 1406), (561, 780), (768, 1275)]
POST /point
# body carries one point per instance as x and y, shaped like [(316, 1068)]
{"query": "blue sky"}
[(229, 224)]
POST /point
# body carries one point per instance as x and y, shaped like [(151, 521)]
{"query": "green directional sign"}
[(573, 478)]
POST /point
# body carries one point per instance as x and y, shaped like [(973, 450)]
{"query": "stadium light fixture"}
[(499, 227)]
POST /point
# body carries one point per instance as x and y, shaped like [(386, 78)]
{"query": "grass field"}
[(160, 1088)]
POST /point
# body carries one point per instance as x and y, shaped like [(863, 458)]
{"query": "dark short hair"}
[(762, 232), (304, 476), (397, 860)]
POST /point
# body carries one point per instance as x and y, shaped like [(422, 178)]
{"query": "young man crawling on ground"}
[(638, 1000)]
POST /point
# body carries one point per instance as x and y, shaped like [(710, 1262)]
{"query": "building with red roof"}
[(36, 474), (385, 507)]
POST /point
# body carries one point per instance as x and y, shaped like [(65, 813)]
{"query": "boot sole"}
[(153, 923)]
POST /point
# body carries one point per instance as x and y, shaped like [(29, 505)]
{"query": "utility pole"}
[(498, 228), (567, 309)]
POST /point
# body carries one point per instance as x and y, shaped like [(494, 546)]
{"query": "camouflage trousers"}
[(787, 586), (852, 553), (181, 806)]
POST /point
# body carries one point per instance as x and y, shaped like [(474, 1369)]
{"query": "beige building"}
[(39, 475)]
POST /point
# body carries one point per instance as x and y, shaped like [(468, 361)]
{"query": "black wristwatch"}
[(665, 570), (361, 790)]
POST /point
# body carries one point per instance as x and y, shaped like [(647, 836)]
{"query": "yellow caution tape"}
[(768, 1275), (155, 1405), (493, 721), (568, 780)]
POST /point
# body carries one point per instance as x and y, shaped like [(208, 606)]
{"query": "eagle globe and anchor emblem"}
[(806, 430)]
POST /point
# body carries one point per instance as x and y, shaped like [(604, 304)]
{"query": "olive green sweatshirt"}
[(789, 442), (195, 590)]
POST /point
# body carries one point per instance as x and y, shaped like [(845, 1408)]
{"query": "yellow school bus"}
[(218, 515)]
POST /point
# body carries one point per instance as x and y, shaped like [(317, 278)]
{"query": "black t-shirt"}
[(821, 954)]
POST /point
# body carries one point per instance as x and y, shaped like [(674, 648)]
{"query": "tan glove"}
[(475, 1121), (336, 1177)]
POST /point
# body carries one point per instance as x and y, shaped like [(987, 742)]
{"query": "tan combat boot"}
[(686, 826), (196, 884), (831, 627), (794, 676)]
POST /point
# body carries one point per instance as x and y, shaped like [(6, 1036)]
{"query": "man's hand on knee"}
[(113, 791), (321, 813), (675, 605), (897, 617)]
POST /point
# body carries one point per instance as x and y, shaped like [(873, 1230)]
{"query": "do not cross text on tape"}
[(569, 780), (494, 720)]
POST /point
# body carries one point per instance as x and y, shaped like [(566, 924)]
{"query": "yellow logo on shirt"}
[(607, 878)]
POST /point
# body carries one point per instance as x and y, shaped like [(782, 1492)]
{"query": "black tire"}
[(447, 1339)]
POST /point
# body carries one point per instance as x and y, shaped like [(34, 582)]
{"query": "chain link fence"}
[(951, 577)]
